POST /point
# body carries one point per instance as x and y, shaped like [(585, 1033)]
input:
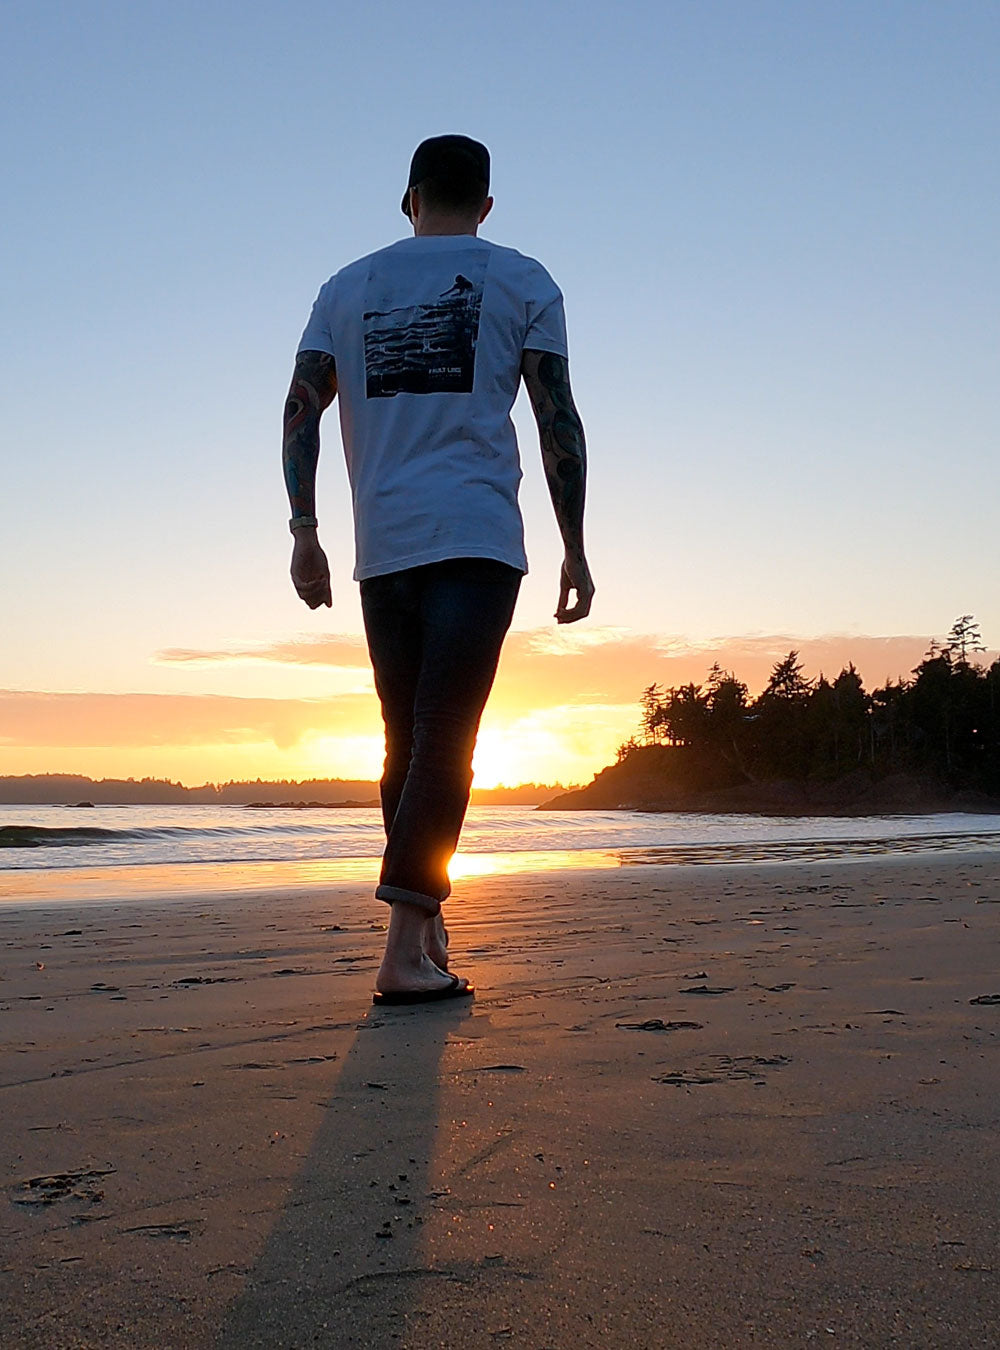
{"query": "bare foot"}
[(406, 967), (398, 978), (436, 941)]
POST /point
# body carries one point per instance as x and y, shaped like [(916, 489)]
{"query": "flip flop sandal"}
[(396, 998)]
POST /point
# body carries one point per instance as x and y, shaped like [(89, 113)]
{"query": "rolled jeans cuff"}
[(390, 894)]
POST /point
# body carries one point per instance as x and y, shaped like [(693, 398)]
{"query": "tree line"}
[(942, 722), (62, 789)]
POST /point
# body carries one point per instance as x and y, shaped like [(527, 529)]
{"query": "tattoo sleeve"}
[(564, 447), (313, 389)]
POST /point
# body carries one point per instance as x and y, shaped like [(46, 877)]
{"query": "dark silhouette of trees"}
[(963, 639), (942, 723), (727, 711)]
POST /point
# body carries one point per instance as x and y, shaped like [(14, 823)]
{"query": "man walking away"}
[(426, 341)]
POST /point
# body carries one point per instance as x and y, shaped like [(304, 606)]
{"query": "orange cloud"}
[(546, 666), (330, 650), (105, 720)]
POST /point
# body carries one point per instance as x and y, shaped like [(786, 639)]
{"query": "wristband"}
[(302, 523)]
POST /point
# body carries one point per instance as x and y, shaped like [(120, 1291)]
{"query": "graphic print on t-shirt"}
[(421, 324)]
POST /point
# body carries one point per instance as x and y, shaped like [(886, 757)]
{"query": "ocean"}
[(52, 853)]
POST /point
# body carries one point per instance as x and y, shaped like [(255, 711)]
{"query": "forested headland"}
[(927, 742)]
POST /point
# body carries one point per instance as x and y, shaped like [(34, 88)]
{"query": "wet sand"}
[(690, 1107)]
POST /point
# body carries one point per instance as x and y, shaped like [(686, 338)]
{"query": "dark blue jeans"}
[(434, 634)]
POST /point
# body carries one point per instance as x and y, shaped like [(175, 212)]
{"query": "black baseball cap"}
[(447, 157)]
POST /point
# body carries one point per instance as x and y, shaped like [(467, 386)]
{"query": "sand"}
[(690, 1107)]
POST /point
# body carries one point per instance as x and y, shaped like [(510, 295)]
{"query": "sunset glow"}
[(561, 706)]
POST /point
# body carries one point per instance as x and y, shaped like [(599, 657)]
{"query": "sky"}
[(775, 228)]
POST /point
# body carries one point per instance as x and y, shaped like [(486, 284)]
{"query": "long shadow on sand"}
[(343, 1264)]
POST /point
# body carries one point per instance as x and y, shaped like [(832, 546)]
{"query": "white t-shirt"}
[(427, 335)]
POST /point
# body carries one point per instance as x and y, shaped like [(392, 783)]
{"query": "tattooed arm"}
[(564, 456), (313, 389)]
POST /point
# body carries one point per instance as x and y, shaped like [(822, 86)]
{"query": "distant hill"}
[(678, 778), (66, 789)]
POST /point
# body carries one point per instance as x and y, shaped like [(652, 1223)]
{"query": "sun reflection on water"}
[(176, 880), (464, 865)]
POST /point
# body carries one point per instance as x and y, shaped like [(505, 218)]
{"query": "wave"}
[(40, 836), (79, 836)]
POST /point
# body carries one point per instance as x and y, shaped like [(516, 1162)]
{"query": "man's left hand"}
[(575, 576), (310, 570)]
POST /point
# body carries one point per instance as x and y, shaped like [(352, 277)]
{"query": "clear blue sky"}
[(776, 228)]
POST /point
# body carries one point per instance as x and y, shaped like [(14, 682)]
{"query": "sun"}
[(502, 759)]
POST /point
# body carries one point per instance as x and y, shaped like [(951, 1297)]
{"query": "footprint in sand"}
[(725, 1068), (79, 1184), (658, 1024), (162, 1230)]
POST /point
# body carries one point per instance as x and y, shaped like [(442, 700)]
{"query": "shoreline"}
[(790, 806), (133, 884)]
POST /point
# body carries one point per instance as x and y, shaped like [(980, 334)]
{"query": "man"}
[(426, 342)]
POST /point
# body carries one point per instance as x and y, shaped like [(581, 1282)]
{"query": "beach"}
[(741, 1105)]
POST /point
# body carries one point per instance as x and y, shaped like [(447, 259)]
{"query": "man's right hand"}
[(575, 576), (310, 570)]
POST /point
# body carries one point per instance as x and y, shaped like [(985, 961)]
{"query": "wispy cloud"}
[(537, 671), (331, 650), (578, 664), (105, 720)]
